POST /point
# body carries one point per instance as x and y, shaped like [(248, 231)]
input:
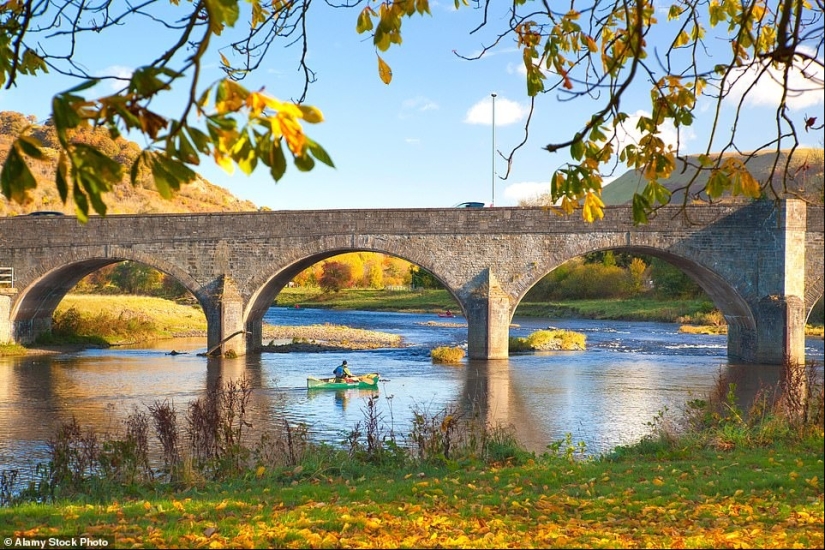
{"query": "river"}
[(603, 397)]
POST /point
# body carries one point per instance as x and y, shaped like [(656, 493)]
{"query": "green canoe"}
[(363, 382)]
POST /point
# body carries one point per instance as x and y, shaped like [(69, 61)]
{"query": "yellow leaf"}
[(384, 71), (658, 482), (292, 132), (311, 114), (260, 471), (593, 207), (221, 506)]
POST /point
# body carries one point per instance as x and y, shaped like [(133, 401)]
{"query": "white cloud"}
[(526, 190), (418, 104), (507, 112), (517, 68), (122, 75), (764, 88)]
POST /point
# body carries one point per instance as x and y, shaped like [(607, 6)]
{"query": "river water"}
[(603, 397)]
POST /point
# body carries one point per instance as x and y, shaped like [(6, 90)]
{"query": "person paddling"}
[(342, 372)]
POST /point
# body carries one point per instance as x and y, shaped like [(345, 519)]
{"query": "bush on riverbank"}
[(447, 354)]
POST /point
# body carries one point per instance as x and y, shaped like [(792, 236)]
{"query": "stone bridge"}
[(761, 263)]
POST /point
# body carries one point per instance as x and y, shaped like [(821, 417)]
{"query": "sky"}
[(425, 140)]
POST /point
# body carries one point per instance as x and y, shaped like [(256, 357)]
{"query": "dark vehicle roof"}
[(45, 213)]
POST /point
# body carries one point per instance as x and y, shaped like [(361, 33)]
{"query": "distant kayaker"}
[(342, 372)]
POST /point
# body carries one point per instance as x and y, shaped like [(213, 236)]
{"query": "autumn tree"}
[(336, 276), (713, 55)]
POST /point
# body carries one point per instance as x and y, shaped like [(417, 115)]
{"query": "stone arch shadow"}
[(44, 287)]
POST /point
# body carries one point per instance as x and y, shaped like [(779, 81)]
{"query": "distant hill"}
[(805, 181), (198, 196)]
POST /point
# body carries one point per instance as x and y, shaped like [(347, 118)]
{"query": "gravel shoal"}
[(326, 337)]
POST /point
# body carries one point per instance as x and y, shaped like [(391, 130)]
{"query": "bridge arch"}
[(724, 295), (276, 275), (814, 294), (44, 287), (723, 292)]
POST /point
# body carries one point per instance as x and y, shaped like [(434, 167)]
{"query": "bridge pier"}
[(776, 334), (487, 307), (225, 333), (5, 315)]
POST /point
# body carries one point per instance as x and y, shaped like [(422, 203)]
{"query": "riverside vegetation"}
[(718, 478)]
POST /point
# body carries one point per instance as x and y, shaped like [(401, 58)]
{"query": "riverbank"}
[(88, 321), (731, 486), (437, 301)]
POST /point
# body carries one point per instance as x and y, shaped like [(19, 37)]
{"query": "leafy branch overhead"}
[(686, 58)]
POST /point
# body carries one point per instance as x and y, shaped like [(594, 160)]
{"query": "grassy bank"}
[(728, 485), (432, 301), (124, 319)]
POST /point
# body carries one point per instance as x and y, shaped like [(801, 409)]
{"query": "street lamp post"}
[(493, 176)]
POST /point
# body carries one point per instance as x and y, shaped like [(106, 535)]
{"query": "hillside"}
[(198, 196), (806, 177)]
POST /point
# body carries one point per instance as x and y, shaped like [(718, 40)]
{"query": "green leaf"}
[(304, 163), (364, 23), (221, 13), (718, 182), (656, 192), (145, 81), (16, 178), (319, 153), (640, 209), (81, 204), (29, 146), (169, 174), (577, 148), (186, 151), (278, 166), (62, 176), (200, 139)]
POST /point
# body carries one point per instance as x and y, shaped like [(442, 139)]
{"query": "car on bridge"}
[(45, 213), (472, 205)]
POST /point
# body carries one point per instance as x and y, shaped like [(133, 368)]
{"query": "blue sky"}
[(425, 140)]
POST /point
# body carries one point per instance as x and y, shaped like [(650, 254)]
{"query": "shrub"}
[(446, 354), (545, 340)]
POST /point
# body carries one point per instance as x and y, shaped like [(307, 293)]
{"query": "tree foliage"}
[(336, 275), (588, 51)]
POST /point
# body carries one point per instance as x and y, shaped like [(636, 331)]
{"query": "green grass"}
[(694, 497), (428, 300), (107, 320), (425, 300), (12, 349)]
